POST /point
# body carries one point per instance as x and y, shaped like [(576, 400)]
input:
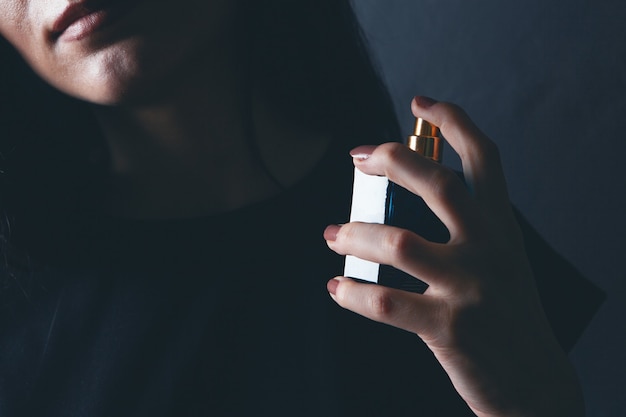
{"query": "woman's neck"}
[(207, 144)]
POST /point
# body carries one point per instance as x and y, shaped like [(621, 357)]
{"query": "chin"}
[(109, 78), (108, 92)]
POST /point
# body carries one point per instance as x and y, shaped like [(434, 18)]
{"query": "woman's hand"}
[(481, 314)]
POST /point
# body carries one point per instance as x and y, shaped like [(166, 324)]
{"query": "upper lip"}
[(72, 13)]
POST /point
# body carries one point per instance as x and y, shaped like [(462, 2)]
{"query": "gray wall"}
[(546, 79)]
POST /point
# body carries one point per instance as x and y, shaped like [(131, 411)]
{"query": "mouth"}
[(83, 18)]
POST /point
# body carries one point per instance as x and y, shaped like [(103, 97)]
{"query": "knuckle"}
[(444, 184), (398, 244), (391, 152), (381, 305)]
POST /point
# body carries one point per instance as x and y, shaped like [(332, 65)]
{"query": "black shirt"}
[(227, 315)]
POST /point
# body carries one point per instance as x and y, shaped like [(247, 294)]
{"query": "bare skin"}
[(179, 131), (182, 131), (172, 160), (481, 314)]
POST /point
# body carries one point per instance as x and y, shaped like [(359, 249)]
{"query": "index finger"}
[(479, 155)]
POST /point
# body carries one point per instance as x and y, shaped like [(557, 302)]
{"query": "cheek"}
[(155, 42), (16, 28), (97, 75), (14, 13), (22, 26)]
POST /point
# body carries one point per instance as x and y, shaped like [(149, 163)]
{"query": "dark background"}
[(546, 79)]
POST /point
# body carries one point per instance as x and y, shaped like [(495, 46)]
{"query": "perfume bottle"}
[(378, 200)]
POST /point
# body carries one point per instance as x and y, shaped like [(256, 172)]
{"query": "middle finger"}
[(442, 190)]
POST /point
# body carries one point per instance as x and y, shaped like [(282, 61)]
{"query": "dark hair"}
[(43, 158), (309, 58), (313, 56)]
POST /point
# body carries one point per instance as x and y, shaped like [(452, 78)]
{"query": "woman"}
[(168, 228)]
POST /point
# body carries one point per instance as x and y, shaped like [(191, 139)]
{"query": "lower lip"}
[(86, 25)]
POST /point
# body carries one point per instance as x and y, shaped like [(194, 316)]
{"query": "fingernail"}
[(425, 102), (330, 233), (362, 152), (332, 285)]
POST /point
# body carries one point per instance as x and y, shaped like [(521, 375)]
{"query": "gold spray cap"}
[(425, 140)]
